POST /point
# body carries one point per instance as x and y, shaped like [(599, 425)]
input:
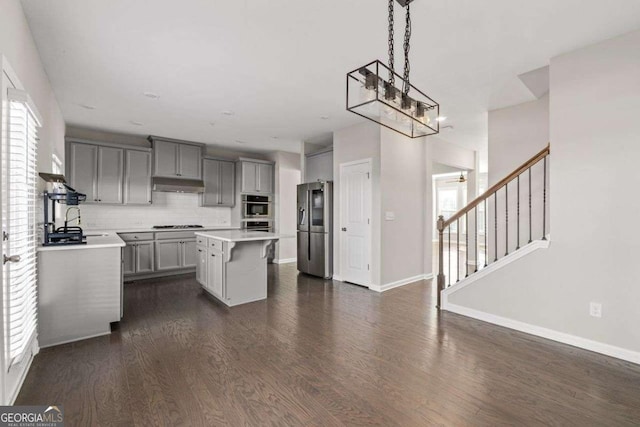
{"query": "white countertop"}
[(238, 235), (95, 240), (144, 229)]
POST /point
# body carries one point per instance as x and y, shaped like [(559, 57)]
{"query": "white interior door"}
[(355, 222), (19, 199)]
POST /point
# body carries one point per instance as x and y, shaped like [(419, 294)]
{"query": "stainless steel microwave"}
[(254, 206)]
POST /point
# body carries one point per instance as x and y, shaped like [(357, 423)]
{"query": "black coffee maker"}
[(65, 235)]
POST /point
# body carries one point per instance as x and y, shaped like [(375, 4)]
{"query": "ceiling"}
[(271, 73)]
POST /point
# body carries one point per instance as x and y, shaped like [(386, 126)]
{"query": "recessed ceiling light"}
[(240, 142), (133, 122), (441, 118), (274, 137), (151, 95), (446, 127), (88, 107), (228, 113), (212, 123), (324, 117)]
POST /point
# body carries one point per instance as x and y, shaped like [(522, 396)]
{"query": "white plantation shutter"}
[(21, 200)]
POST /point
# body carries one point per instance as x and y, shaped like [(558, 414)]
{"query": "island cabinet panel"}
[(168, 254), (201, 268), (215, 266)]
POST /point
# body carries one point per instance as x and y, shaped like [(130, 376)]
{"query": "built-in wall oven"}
[(252, 225), (257, 207)]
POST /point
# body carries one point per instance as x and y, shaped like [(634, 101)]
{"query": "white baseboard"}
[(401, 282), (337, 278), (502, 262), (285, 260), (575, 341), (35, 349)]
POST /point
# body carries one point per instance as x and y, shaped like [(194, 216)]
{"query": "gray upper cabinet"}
[(82, 169), (189, 161), (256, 177), (137, 177), (176, 160), (96, 171), (219, 183), (110, 172), (165, 158), (265, 178)]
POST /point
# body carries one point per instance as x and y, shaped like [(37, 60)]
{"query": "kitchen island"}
[(232, 264), (79, 289)]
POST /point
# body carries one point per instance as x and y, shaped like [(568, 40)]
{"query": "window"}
[(451, 196), (19, 195)]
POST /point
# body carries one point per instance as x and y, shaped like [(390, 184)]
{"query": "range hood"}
[(178, 185)]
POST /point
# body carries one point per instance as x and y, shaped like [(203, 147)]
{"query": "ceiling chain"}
[(392, 77), (407, 47)]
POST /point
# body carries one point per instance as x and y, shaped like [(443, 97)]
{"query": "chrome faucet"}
[(66, 216)]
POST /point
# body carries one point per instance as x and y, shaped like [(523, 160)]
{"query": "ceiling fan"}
[(461, 180)]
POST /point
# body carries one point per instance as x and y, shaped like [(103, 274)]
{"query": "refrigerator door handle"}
[(304, 212)]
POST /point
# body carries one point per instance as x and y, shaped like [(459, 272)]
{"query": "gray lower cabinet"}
[(168, 255), (137, 177), (189, 254), (138, 258), (175, 254), (219, 183)]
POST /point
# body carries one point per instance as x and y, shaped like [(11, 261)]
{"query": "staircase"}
[(510, 218)]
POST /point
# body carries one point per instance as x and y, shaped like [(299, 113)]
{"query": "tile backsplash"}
[(167, 208)]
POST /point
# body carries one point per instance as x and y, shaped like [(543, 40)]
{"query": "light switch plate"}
[(390, 216), (595, 309)]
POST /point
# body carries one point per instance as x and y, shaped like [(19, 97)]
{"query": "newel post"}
[(440, 258)]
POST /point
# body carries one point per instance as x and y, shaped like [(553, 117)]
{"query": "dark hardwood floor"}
[(317, 353)]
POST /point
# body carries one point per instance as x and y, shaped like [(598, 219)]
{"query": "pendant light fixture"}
[(376, 92)]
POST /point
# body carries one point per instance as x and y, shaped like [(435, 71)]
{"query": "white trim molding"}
[(285, 260), (501, 263), (401, 282), (573, 340)]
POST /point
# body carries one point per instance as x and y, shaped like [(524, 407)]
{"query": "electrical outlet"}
[(595, 309)]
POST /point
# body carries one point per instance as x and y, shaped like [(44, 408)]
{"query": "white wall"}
[(18, 49), (287, 177), (358, 142), (403, 192), (594, 110), (516, 134), (319, 166)]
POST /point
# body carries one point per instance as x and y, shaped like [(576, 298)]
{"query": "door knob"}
[(14, 258), (344, 228)]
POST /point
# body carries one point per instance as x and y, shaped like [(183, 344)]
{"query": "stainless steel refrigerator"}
[(315, 241)]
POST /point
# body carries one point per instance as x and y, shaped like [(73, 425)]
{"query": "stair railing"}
[(462, 217)]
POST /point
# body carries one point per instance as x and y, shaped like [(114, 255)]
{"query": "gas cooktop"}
[(173, 227)]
